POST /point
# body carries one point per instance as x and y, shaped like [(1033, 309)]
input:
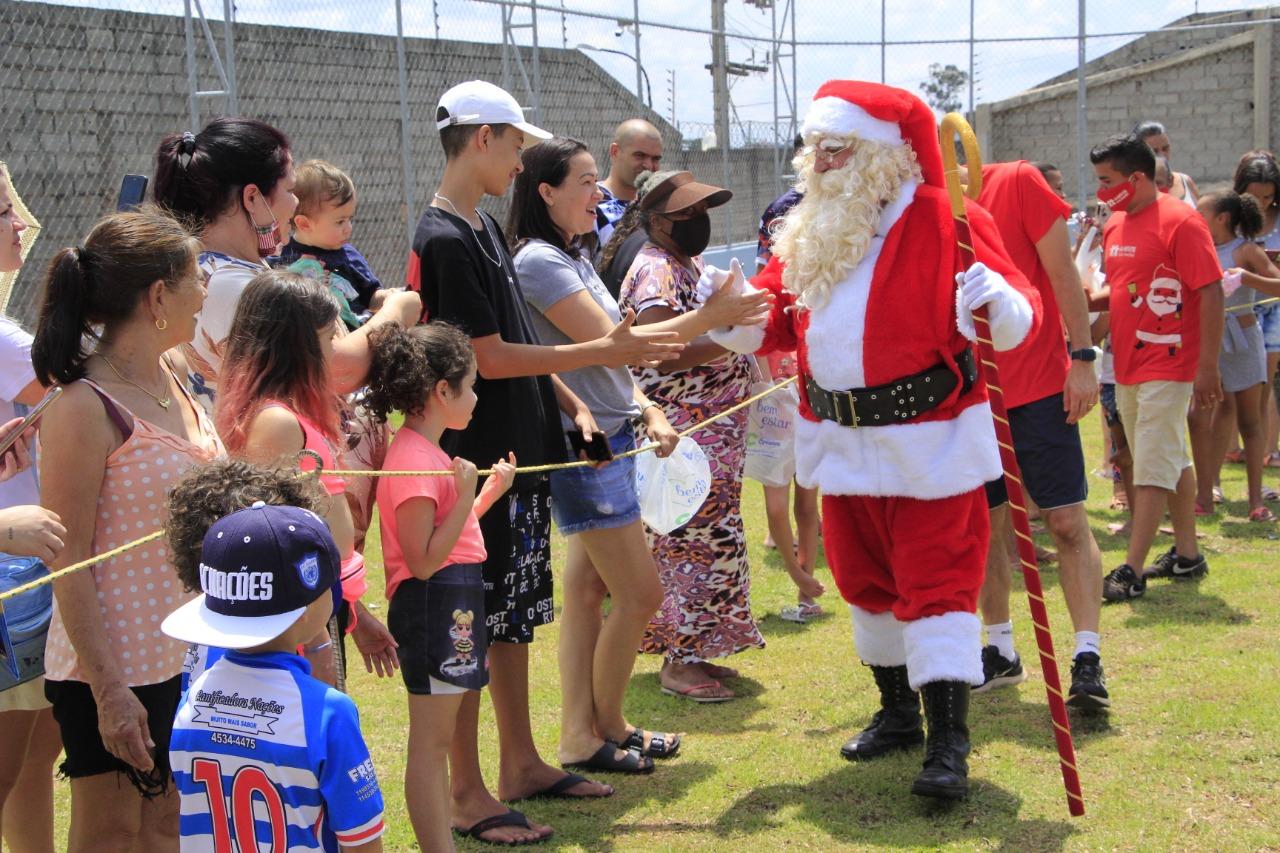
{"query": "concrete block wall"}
[(1205, 101), (89, 93)]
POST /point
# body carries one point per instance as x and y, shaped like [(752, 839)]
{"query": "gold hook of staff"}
[(953, 125)]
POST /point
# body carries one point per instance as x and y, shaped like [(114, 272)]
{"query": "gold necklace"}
[(162, 402)]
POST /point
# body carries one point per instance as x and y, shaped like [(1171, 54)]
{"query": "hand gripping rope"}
[(953, 126), (534, 469)]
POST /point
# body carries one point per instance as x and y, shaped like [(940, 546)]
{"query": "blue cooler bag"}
[(24, 620)]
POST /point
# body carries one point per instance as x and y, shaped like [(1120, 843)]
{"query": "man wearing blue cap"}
[(262, 753)]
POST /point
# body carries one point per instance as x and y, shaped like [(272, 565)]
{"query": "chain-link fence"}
[(90, 86)]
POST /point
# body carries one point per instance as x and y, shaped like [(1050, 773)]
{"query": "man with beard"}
[(896, 429)]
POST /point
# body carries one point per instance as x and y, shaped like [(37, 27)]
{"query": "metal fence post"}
[(229, 40), (406, 137), (1082, 113)]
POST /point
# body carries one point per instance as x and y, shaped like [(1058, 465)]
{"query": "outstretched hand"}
[(626, 345)]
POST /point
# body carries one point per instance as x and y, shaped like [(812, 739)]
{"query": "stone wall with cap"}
[(1213, 93), (89, 93)]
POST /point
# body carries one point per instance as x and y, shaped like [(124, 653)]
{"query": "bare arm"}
[(425, 546), (1208, 382), (276, 435), (696, 352), (77, 439), (622, 345), (1259, 272), (1080, 393), (374, 846), (352, 354)]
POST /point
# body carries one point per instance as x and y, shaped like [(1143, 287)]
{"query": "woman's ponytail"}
[(57, 353)]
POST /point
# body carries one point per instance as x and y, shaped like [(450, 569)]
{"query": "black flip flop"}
[(658, 746), (605, 761), (559, 789), (509, 818)]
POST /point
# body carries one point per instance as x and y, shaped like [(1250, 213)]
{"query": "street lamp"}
[(645, 74)]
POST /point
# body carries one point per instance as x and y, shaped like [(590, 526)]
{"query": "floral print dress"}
[(706, 607)]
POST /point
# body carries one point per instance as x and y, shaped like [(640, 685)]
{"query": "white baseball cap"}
[(478, 102)]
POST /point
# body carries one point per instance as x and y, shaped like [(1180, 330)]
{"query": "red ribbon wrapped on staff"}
[(954, 126)]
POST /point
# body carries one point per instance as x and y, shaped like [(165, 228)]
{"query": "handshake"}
[(733, 311)]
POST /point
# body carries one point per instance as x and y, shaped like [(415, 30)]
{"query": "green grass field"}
[(1188, 760)]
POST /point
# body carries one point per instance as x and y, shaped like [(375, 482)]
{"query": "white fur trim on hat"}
[(839, 117), (877, 637), (944, 648)]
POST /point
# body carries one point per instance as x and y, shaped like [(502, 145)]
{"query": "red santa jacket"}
[(911, 312)]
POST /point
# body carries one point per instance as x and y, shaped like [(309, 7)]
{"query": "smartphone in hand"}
[(597, 449)]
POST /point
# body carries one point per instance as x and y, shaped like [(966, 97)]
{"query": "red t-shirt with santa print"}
[(1024, 207), (1156, 262)]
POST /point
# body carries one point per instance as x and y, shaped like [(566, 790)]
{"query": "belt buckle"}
[(847, 398)]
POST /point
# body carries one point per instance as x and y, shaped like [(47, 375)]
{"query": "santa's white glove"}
[(740, 339), (1008, 311), (712, 279)]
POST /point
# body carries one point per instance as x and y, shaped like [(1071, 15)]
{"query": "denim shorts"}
[(1107, 398), (597, 498), (1269, 319)]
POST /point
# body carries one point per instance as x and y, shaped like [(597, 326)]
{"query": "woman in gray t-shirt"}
[(596, 508)]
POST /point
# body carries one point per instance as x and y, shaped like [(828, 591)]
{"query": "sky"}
[(1001, 69)]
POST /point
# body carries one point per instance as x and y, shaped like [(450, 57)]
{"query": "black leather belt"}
[(896, 402)]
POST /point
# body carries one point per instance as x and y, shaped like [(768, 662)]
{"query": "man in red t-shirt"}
[(1049, 385), (1165, 298)]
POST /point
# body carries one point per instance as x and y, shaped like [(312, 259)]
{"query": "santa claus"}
[(896, 429)]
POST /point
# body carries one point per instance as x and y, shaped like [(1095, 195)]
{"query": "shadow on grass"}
[(1181, 602), (646, 701), (871, 804), (591, 824), (1022, 715)]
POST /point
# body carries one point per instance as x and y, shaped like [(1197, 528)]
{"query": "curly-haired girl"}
[(433, 549)]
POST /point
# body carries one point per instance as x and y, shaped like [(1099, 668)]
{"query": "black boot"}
[(945, 774), (896, 725)]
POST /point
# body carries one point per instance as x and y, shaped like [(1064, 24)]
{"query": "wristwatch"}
[(1086, 354)]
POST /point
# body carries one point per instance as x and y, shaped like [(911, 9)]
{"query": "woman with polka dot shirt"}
[(122, 435)]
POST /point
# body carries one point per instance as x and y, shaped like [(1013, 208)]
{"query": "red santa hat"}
[(878, 113)]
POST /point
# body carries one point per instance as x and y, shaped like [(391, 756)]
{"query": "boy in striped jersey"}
[(262, 753)]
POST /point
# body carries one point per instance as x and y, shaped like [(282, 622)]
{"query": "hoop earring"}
[(162, 324)]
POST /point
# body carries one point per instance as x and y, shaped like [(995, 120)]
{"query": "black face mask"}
[(691, 235)]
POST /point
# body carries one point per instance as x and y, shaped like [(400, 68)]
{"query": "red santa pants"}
[(916, 558)]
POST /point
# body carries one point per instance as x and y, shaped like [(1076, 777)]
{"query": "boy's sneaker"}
[(1088, 686), (1163, 565), (1123, 584), (1170, 565), (999, 671)]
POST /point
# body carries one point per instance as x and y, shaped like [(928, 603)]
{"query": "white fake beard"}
[(827, 234)]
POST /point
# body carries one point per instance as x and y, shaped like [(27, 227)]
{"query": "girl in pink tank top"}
[(275, 400)]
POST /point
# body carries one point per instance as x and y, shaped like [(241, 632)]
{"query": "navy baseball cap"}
[(259, 570)]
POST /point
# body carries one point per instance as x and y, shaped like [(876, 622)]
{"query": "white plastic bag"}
[(673, 489), (771, 435), (1089, 265)]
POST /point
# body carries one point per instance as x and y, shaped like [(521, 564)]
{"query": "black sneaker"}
[(999, 671), (1163, 565), (1123, 584), (1184, 569), (1088, 686)]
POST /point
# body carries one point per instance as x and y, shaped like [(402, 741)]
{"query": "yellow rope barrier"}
[(533, 469), (80, 566), (561, 466)]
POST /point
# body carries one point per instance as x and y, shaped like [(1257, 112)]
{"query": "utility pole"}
[(720, 73)]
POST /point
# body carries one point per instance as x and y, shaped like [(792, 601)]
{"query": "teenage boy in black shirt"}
[(463, 269)]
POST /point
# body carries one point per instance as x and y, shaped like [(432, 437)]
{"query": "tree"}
[(942, 89)]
